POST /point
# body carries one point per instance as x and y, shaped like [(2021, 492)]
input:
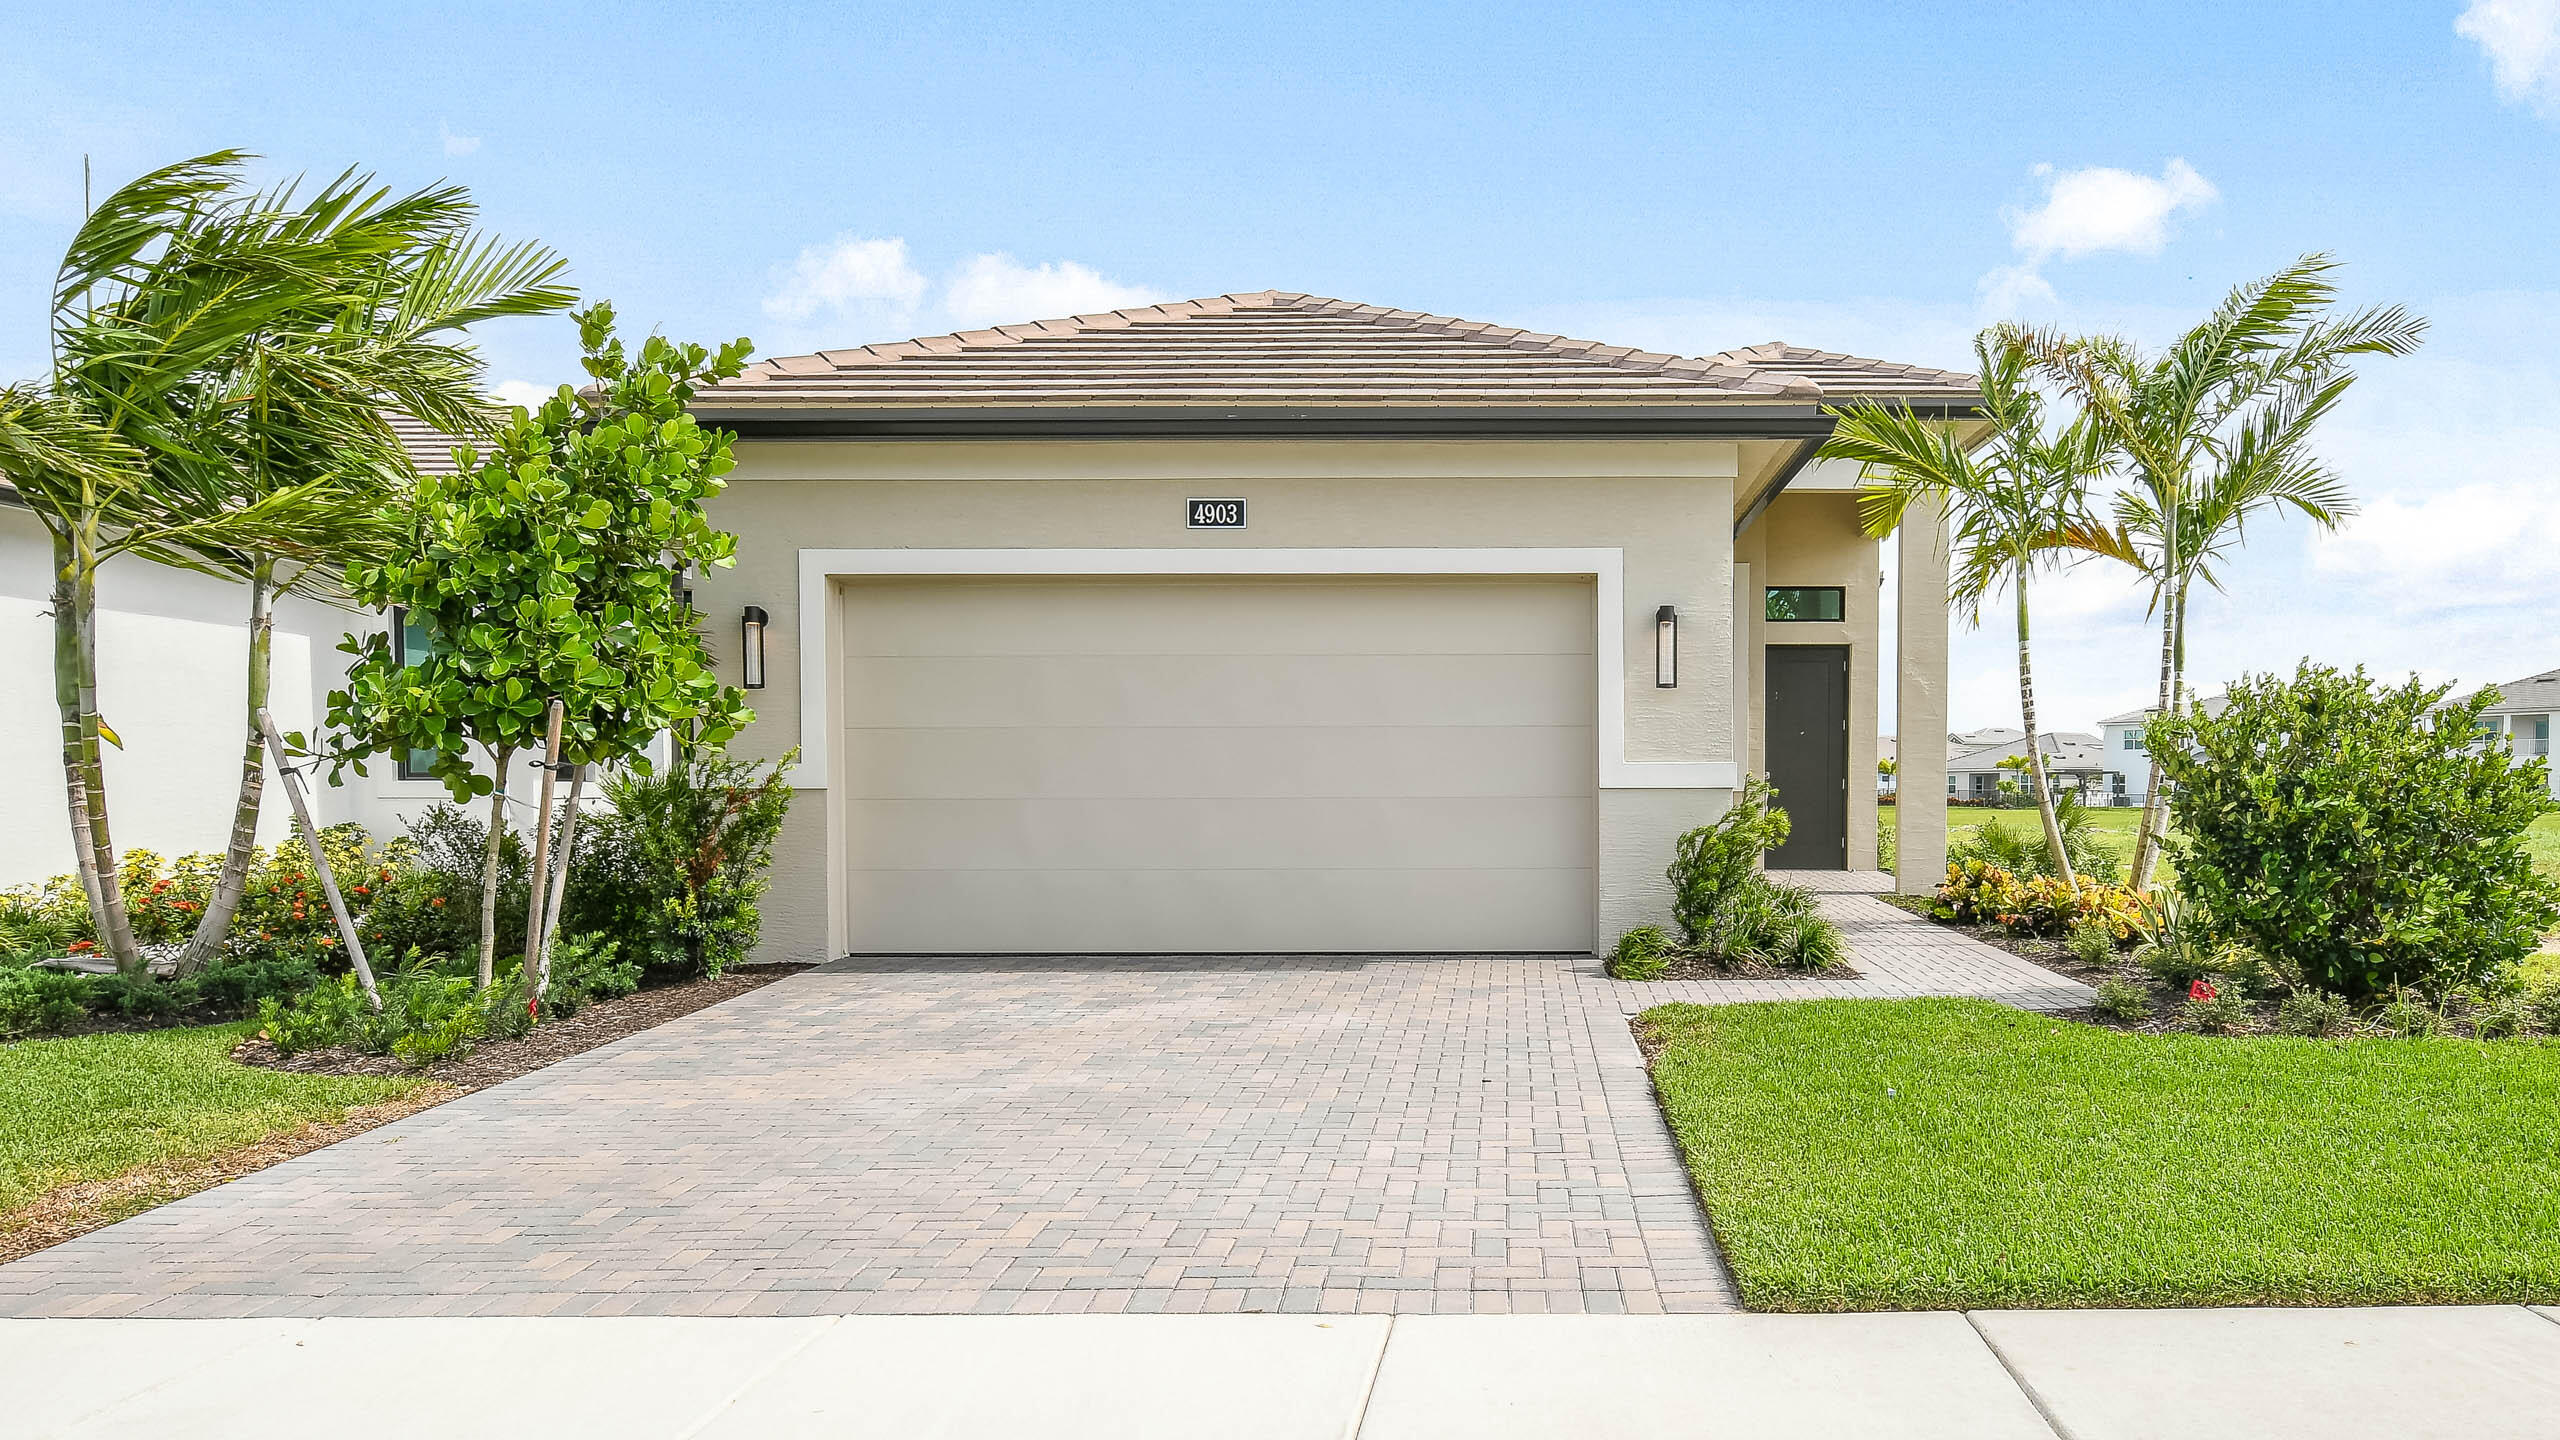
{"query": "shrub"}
[(673, 871), (2123, 1001), (238, 986), (32, 1001), (429, 887), (1975, 893), (2409, 1017), (2542, 1006), (2314, 1013), (2216, 1010), (2358, 835), (2023, 853), (1804, 942), (1715, 864), (1643, 953), (585, 969), (328, 1014), (2092, 943)]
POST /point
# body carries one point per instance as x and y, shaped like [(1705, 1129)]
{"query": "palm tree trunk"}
[(2035, 748), (233, 880), (2145, 837), (489, 873), (75, 665)]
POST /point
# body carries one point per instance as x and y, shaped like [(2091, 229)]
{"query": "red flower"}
[(83, 947), (2201, 990), (438, 900)]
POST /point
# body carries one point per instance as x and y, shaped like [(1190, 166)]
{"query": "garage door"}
[(1250, 766)]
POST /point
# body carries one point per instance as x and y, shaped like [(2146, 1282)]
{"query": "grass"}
[(99, 1106), (1924, 1154)]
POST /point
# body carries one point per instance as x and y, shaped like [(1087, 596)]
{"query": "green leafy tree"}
[(2215, 431), (2359, 836), (2012, 499), (550, 566)]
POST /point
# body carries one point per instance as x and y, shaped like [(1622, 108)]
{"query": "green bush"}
[(2409, 1016), (2123, 1001), (2224, 1012), (2092, 943), (1975, 893), (34, 1001), (329, 1014), (2358, 835), (1643, 953), (673, 872), (1807, 941), (2314, 1013), (1716, 865), (2542, 1007)]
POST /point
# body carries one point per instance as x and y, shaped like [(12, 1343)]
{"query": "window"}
[(2133, 741), (1803, 602), (413, 643)]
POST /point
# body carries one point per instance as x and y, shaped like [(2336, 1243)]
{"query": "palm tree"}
[(301, 412), (2215, 431), (242, 347), (2011, 500)]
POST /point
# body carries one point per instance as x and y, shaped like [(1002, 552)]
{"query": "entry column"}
[(1920, 699)]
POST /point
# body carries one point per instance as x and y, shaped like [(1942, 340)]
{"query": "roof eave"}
[(1726, 420)]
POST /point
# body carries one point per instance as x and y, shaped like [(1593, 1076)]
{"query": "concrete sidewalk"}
[(2482, 1373)]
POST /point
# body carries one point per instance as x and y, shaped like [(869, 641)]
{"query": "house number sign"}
[(1216, 514)]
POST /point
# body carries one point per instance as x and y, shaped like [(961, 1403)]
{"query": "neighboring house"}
[(2127, 763), (1273, 623), (172, 652), (2521, 720), (2073, 761)]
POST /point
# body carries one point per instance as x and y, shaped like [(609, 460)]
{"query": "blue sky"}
[(1877, 179)]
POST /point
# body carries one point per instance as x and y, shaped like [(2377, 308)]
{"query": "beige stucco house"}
[(1273, 623)]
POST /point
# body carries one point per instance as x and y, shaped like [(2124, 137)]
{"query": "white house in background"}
[(2128, 763), (2522, 717), (172, 647), (1974, 771)]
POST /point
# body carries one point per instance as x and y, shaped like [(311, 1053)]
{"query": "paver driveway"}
[(1327, 1133), (1414, 1134)]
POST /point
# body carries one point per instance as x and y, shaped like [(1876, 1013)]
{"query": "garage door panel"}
[(1253, 764), (1248, 690), (1200, 761), (1509, 832), (1218, 616), (1179, 911)]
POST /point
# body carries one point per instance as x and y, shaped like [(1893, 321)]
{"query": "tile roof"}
[(1852, 376), (2532, 695), (1274, 348), (430, 449)]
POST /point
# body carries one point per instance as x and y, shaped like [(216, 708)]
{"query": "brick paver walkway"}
[(1440, 1134)]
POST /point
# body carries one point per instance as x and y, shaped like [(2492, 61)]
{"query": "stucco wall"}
[(172, 657), (1666, 504), (1813, 538)]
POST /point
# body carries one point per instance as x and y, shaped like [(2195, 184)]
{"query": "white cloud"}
[(2090, 211), (2492, 543), (2522, 40), (456, 144), (997, 289), (524, 393), (2086, 212), (846, 277)]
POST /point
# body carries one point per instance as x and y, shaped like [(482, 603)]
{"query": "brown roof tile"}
[(1853, 376), (1271, 348)]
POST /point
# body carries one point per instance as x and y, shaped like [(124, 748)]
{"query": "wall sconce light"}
[(1666, 648), (751, 645)]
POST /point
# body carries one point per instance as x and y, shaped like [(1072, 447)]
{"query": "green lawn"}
[(100, 1105), (2542, 840), (1923, 1154)]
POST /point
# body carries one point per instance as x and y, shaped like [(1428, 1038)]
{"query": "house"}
[(172, 652), (2521, 719), (2073, 763), (1276, 623), (2128, 763)]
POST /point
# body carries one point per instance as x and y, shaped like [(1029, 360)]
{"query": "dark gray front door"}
[(1808, 730)]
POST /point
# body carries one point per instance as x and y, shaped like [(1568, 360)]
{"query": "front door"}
[(1808, 729)]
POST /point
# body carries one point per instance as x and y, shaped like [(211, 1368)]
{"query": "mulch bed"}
[(492, 1061)]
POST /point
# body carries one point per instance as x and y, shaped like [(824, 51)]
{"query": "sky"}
[(1880, 179)]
